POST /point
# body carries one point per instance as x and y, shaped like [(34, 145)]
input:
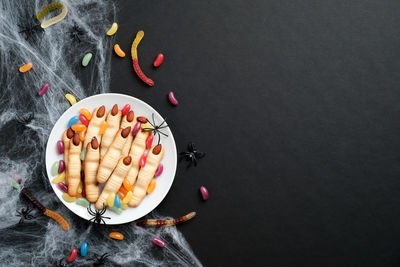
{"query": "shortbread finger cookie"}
[(146, 174), (67, 135), (113, 121), (92, 162), (114, 183), (99, 116), (137, 149), (129, 120), (74, 165), (112, 156)]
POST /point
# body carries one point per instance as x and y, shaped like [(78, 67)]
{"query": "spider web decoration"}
[(156, 129), (31, 29)]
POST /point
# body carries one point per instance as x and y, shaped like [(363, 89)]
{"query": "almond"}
[(76, 139), (95, 143), (157, 149), (142, 119), (130, 116), (70, 133), (101, 111), (127, 160), (114, 110), (125, 132)]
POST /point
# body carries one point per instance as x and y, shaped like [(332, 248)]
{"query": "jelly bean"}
[(142, 161), (43, 89), (151, 187), (54, 168), (68, 198), (83, 154), (117, 201), (158, 242), (124, 206), (128, 186), (125, 109), (71, 99), (113, 29), (84, 249), (80, 187), (72, 121), (115, 209), (110, 200), (159, 170), (119, 51), (127, 198), (26, 67), (61, 166), (204, 192), (63, 187), (86, 59), (83, 202), (73, 255), (149, 141), (159, 59), (172, 98), (83, 119), (59, 178), (78, 127), (136, 128), (103, 127), (116, 235), (146, 126), (14, 183), (85, 112), (82, 135), (60, 147)]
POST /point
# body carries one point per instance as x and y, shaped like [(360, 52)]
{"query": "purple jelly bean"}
[(60, 147), (43, 89), (19, 180), (159, 170), (136, 129), (63, 187), (158, 242), (204, 192), (172, 99), (61, 166)]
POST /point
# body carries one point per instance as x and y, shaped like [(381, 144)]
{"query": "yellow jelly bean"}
[(25, 67), (124, 206), (59, 178), (113, 29), (110, 200), (68, 198), (80, 188), (128, 197), (71, 99), (147, 126)]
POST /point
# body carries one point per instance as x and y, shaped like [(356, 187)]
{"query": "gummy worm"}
[(136, 67), (47, 9), (49, 213), (172, 222)]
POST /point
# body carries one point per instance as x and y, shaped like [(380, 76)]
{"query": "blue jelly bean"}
[(84, 249), (117, 201), (72, 121)]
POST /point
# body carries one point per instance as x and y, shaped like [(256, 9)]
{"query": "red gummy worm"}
[(140, 73)]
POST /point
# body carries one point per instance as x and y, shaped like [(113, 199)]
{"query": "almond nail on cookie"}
[(99, 116)]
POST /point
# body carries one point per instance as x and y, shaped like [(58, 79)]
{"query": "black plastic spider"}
[(100, 260), (61, 263), (192, 155), (75, 33), (31, 30), (97, 214), (156, 129), (25, 118), (25, 214)]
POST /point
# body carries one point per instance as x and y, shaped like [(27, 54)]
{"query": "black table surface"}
[(296, 105)]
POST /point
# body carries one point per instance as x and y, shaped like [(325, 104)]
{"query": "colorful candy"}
[(63, 187), (113, 29), (116, 210), (16, 177), (142, 160), (71, 99), (172, 99), (73, 255), (60, 147), (117, 201), (159, 170), (135, 59), (54, 168), (86, 59), (158, 242), (82, 136), (147, 127), (73, 120), (61, 166), (103, 127), (116, 235), (80, 187), (125, 109), (127, 198), (14, 183), (149, 140), (171, 222), (122, 192), (59, 178), (85, 112), (84, 249), (83, 202), (78, 127), (68, 198), (159, 59), (128, 186), (110, 200), (119, 51), (25, 67), (124, 206), (204, 192), (83, 119), (151, 187), (43, 89), (136, 128), (83, 154), (47, 9)]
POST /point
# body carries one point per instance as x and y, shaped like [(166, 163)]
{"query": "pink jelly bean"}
[(16, 177), (142, 161), (83, 119), (60, 147), (159, 59), (61, 166), (73, 255), (63, 187), (159, 170), (204, 192), (125, 109), (136, 129), (172, 98), (43, 89), (149, 141), (158, 242)]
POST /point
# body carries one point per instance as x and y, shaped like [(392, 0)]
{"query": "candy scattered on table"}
[(26, 67), (159, 59), (86, 59), (171, 222), (73, 120), (135, 59), (63, 187), (73, 255), (172, 99), (14, 183), (43, 89), (71, 99), (204, 192), (113, 29), (119, 51), (158, 242), (59, 178), (116, 235), (60, 147), (84, 247), (47, 9)]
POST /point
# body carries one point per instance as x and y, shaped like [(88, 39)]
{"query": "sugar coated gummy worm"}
[(47, 9), (137, 149), (136, 67), (74, 165), (172, 222), (128, 120), (91, 166), (98, 117), (113, 121)]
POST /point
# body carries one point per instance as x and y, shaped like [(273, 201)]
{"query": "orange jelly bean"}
[(122, 192), (78, 127), (103, 128), (85, 112), (82, 135), (128, 186), (25, 67), (118, 50), (151, 187), (116, 235)]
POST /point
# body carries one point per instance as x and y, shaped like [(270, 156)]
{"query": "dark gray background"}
[(296, 104)]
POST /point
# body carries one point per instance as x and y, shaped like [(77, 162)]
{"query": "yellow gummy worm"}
[(47, 9), (138, 38)]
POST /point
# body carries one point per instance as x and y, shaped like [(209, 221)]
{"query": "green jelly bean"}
[(54, 168), (115, 209), (15, 184), (83, 202), (83, 154), (86, 59)]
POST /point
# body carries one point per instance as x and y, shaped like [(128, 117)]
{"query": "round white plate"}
[(140, 108)]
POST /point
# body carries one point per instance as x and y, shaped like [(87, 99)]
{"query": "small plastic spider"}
[(192, 155), (100, 260), (61, 263), (30, 30), (75, 33), (97, 214), (25, 214), (25, 118), (156, 129)]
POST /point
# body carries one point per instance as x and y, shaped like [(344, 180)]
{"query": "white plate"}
[(164, 181)]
